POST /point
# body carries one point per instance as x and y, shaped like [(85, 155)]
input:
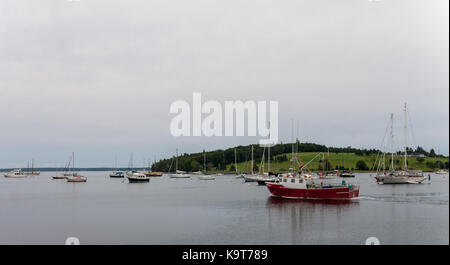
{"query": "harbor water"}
[(39, 210)]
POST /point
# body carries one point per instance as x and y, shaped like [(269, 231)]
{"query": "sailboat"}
[(179, 173), (116, 173), (238, 175), (263, 178), (32, 172), (75, 177), (151, 173), (205, 176), (131, 171), (403, 176), (56, 176), (252, 177)]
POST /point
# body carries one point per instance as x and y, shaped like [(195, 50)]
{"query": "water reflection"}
[(308, 221)]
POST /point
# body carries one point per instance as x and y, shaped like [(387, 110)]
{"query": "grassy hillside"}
[(345, 160)]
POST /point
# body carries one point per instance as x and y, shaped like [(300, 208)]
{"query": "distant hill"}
[(333, 158)]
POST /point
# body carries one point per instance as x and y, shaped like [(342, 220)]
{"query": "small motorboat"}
[(17, 173), (117, 174), (138, 177), (347, 175)]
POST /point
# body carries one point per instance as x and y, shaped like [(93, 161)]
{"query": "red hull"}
[(313, 193)]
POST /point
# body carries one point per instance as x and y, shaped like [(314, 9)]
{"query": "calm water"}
[(39, 210)]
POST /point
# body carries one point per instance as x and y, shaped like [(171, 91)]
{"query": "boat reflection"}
[(307, 221), (274, 201)]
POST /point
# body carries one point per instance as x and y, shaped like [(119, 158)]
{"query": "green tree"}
[(361, 165), (432, 153), (195, 165)]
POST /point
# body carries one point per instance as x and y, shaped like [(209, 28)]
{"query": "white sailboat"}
[(75, 176), (179, 173), (32, 172), (205, 176), (131, 171), (403, 176), (252, 177), (116, 173)]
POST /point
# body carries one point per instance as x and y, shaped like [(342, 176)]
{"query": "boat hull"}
[(138, 180), (263, 182), (76, 180), (154, 174), (15, 176), (400, 179), (116, 176), (279, 190), (59, 177), (251, 178), (180, 176)]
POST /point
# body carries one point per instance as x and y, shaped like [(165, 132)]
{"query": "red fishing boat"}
[(302, 186)]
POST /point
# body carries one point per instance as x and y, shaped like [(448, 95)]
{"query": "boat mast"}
[(176, 161), (204, 160), (439, 160), (235, 161), (406, 136), (292, 137), (73, 162), (268, 155), (252, 159), (392, 141)]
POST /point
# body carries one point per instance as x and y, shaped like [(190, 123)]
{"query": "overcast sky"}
[(98, 77)]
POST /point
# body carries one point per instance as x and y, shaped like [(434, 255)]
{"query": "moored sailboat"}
[(179, 173), (75, 177), (205, 176), (405, 175)]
